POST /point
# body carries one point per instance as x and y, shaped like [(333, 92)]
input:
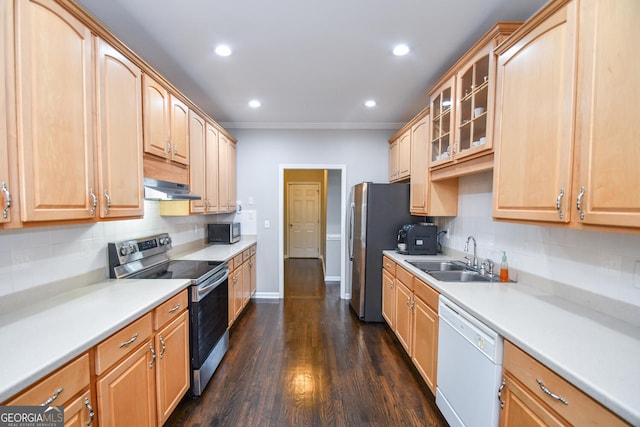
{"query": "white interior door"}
[(304, 220)]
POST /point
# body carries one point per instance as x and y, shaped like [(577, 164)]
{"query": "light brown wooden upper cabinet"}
[(442, 122), (607, 112), (166, 123), (226, 173), (462, 105), (567, 104), (120, 134), (203, 170), (426, 196), (156, 118), (8, 171), (55, 94), (400, 157), (179, 119)]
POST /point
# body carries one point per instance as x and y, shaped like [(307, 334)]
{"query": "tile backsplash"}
[(32, 257), (599, 262)]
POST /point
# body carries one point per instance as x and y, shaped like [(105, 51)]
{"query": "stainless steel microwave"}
[(225, 233)]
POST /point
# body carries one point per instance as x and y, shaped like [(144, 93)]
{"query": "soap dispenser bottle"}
[(504, 268)]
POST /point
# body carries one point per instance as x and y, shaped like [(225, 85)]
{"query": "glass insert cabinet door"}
[(442, 123), (473, 96)]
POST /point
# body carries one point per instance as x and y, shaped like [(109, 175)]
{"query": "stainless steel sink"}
[(458, 276), (430, 266)]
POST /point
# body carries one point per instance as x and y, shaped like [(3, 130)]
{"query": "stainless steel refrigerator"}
[(377, 213)]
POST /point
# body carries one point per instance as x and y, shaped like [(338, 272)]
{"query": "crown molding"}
[(313, 125)]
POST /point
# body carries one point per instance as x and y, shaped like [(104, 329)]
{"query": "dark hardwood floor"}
[(308, 361)]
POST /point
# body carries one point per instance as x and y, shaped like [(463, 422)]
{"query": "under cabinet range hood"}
[(155, 189)]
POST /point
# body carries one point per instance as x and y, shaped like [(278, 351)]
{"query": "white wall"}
[(597, 262), (332, 263), (35, 256), (259, 154)]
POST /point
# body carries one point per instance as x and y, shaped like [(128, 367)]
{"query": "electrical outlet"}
[(446, 233), (250, 200), (636, 274)]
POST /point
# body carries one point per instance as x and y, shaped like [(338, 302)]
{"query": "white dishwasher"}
[(469, 368)]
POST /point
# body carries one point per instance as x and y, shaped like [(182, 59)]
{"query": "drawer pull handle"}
[(92, 414), (153, 356), (559, 203), (55, 395), (164, 346), (126, 343), (174, 309), (7, 200), (550, 393), (500, 393), (579, 203)]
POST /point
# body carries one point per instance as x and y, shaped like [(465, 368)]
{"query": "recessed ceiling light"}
[(254, 103), (401, 50), (223, 50), (370, 103)]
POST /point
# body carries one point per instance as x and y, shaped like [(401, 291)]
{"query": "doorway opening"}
[(312, 218)]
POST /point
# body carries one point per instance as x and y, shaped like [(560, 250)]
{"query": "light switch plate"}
[(267, 224)]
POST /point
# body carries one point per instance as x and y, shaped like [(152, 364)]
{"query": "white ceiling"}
[(312, 63)]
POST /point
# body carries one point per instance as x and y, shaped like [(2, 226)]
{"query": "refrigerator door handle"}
[(351, 225)]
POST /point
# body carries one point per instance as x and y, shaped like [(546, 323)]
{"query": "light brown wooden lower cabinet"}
[(126, 394), (388, 299), (425, 342), (173, 377), (242, 281), (410, 308), (404, 314), (69, 387), (526, 403)]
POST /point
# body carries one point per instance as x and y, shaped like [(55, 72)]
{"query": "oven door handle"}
[(218, 279)]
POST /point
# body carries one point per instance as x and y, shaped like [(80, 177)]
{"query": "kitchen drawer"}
[(237, 261), (389, 265), (122, 343), (246, 255), (230, 265), (253, 250), (70, 379), (426, 293), (581, 409), (170, 309), (405, 277)]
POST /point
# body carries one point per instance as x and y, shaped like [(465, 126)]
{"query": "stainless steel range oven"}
[(147, 258)]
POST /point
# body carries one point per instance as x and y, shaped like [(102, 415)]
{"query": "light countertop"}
[(597, 353), (219, 252), (43, 335)]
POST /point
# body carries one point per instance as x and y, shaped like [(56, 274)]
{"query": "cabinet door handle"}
[(579, 203), (95, 202), (167, 147), (108, 206), (500, 393), (559, 203), (53, 397), (550, 393), (164, 346), (129, 341), (175, 150), (7, 200), (153, 356), (92, 414)]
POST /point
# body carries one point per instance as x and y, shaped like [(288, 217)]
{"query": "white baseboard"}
[(267, 295), (332, 279)]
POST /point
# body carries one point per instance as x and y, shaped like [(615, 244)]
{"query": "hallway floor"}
[(308, 361)]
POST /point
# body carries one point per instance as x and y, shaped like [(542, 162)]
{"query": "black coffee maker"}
[(418, 239)]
